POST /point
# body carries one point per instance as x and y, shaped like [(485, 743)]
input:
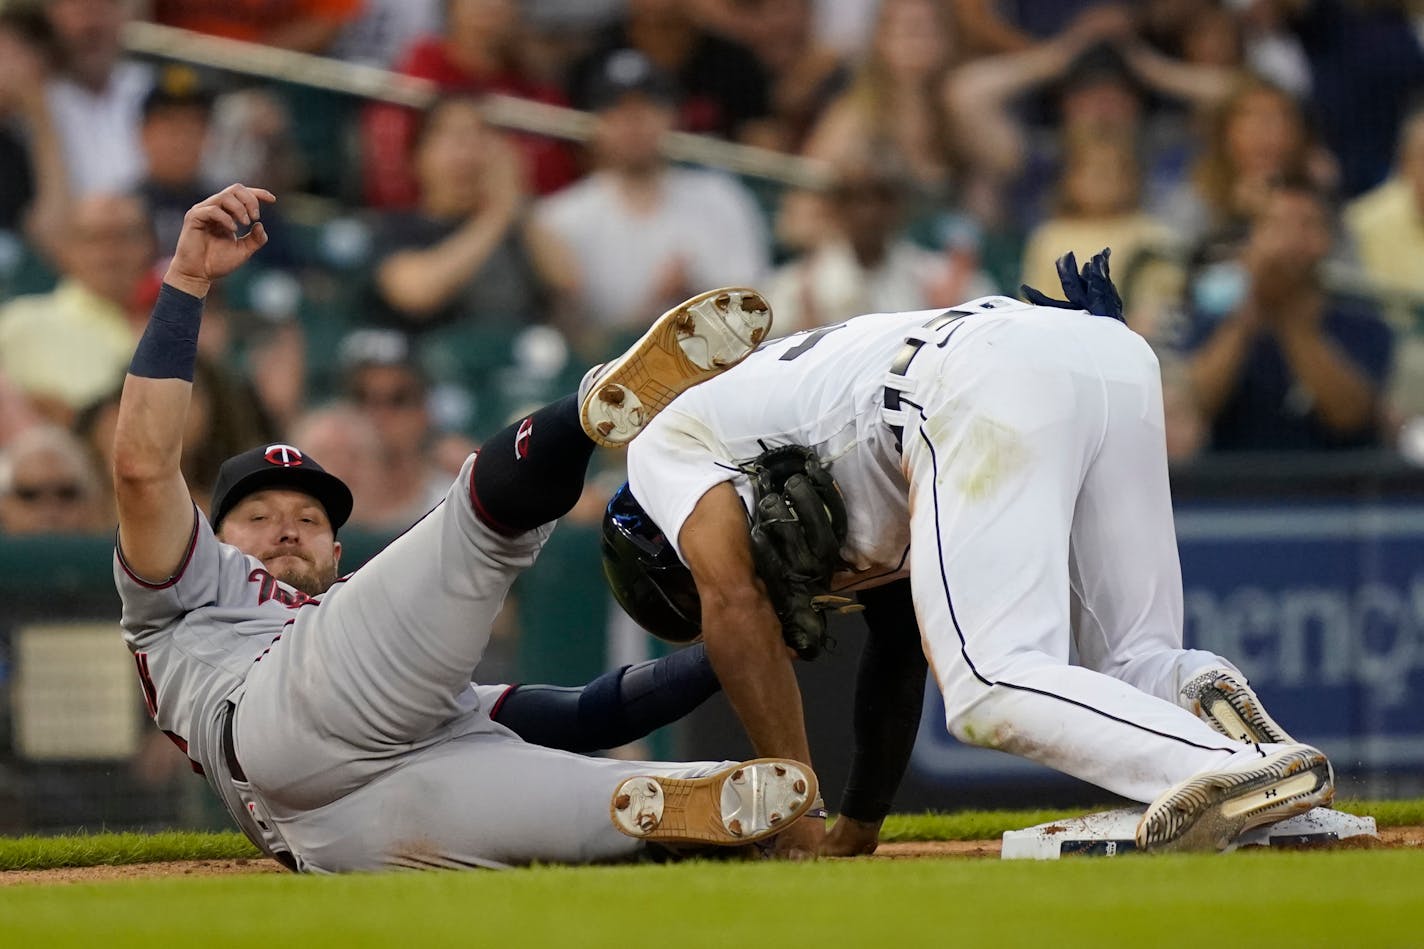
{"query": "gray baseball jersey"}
[(358, 737)]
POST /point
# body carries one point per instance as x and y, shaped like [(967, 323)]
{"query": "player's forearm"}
[(755, 670), (148, 436), (421, 282)]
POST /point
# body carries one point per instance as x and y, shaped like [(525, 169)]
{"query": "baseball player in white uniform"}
[(1010, 458), (336, 719)]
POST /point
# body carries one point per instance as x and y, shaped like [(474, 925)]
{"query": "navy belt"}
[(229, 748), (900, 365)]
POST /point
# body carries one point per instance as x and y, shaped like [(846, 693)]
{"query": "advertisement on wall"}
[(1322, 606)]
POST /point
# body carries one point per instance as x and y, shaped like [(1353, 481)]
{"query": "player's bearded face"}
[(302, 570), (290, 534)]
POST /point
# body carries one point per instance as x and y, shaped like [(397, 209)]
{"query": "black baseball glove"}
[(1091, 290), (798, 523)]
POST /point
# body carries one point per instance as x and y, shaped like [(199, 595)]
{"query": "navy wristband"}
[(168, 348)]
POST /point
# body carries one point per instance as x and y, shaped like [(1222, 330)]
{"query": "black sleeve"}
[(616, 708), (889, 694)]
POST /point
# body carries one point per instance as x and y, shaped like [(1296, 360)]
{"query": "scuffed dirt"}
[(142, 871), (1391, 838)]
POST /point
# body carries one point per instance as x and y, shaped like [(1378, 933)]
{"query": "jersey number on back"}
[(805, 346)]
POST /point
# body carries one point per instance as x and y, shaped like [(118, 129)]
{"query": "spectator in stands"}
[(862, 264), (348, 443), (893, 105), (987, 28), (66, 348), (480, 51), (645, 234), (225, 417), (95, 96), (1099, 74), (47, 485), (252, 137), (34, 184), (805, 76), (386, 383), (1256, 137), (1366, 64), (16, 411), (1285, 366), (725, 90), (468, 253), (177, 116), (385, 29), (1387, 224), (94, 427), (1099, 205), (307, 26)]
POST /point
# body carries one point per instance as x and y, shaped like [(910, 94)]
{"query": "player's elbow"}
[(737, 613), (135, 469)]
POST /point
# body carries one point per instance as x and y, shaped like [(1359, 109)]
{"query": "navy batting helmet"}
[(644, 572)]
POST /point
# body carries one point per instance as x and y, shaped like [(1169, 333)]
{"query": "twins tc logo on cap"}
[(284, 455)]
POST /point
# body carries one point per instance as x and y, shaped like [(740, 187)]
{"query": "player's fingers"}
[(235, 206), (263, 195), (213, 218), (250, 202), (255, 238)]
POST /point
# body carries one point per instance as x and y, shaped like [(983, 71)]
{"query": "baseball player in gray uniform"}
[(1009, 457), (335, 718)]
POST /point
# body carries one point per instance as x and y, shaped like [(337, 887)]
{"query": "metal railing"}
[(507, 112)]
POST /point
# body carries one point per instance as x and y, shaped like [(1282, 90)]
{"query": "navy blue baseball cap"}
[(279, 466)]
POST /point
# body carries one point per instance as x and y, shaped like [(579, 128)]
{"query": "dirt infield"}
[(1391, 838)]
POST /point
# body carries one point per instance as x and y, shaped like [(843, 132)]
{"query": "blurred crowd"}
[(1256, 166)]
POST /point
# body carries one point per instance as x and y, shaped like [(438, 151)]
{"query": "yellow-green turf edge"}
[(85, 850)]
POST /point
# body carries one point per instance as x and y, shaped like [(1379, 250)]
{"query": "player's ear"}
[(336, 553)]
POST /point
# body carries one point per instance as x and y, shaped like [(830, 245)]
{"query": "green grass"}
[(1348, 898), (93, 850), (87, 850)]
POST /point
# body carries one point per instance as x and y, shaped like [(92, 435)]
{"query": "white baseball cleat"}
[(688, 344), (1225, 702), (737, 805), (1209, 811)]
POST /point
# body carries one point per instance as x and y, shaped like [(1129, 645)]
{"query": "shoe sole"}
[(737, 805), (1210, 811), (694, 341), (1237, 714)]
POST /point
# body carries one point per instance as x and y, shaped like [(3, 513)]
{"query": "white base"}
[(1109, 833)]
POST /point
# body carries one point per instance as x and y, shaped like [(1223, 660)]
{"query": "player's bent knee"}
[(974, 721)]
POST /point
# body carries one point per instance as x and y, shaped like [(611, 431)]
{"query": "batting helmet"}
[(644, 572)]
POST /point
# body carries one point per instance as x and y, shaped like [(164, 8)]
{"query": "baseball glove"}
[(798, 523)]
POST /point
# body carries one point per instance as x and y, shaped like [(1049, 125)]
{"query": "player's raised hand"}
[(218, 236)]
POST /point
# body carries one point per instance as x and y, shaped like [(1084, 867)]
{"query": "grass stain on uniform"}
[(983, 453)]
